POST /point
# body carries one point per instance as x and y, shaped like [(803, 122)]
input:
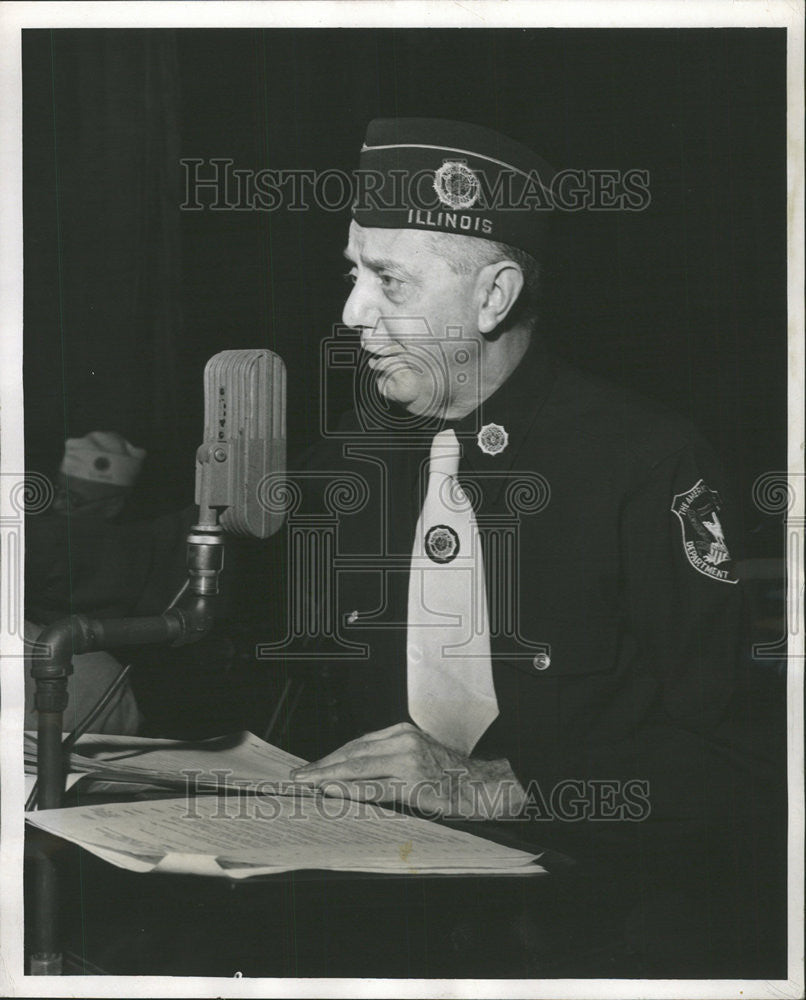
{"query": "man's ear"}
[(499, 286)]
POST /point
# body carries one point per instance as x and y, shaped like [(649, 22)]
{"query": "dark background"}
[(127, 296)]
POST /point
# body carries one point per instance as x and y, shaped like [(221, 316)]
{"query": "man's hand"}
[(404, 764)]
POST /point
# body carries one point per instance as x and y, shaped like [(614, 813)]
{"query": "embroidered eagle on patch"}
[(703, 539)]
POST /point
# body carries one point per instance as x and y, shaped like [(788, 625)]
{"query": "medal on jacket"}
[(492, 439), (441, 543)]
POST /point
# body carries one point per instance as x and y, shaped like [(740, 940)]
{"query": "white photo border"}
[(14, 17)]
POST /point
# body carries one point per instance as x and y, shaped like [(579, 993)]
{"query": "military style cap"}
[(452, 177), (103, 457)]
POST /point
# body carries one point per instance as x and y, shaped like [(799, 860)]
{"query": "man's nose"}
[(359, 311), (362, 313)]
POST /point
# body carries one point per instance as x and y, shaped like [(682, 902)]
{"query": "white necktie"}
[(450, 681)]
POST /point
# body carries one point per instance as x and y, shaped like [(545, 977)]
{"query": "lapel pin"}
[(492, 439), (441, 543)]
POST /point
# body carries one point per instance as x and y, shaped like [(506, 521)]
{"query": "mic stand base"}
[(189, 620), (44, 960)]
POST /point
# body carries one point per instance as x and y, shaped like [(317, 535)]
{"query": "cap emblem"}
[(492, 439), (456, 185)]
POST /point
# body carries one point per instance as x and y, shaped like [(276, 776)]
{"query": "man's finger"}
[(394, 739), (393, 765), (381, 734), (355, 748), (372, 790)]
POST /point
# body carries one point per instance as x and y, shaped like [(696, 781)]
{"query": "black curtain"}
[(103, 306)]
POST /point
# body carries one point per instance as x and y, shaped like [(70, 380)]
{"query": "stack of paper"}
[(242, 836), (241, 761), (278, 826)]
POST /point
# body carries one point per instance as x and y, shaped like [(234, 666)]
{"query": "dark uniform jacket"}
[(616, 615)]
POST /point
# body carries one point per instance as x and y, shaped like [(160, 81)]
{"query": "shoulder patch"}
[(703, 540)]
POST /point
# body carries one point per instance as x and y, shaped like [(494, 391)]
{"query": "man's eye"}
[(350, 277), (389, 283)]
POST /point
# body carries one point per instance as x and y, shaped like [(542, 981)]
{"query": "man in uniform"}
[(537, 613)]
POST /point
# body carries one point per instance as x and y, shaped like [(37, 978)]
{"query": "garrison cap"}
[(103, 457), (453, 177)]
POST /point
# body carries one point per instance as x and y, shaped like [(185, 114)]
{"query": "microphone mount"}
[(189, 619)]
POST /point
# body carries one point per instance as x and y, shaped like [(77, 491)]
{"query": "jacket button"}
[(352, 618), (541, 661)]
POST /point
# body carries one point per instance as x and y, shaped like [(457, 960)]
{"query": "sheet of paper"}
[(242, 760), (237, 837), (251, 756), (30, 781)]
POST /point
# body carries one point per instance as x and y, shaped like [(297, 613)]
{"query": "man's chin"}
[(406, 388), (398, 387)]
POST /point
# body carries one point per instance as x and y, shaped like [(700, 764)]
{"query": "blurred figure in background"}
[(94, 552), (76, 564), (97, 474)]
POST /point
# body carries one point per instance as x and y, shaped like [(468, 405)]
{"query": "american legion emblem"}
[(456, 185), (492, 439), (441, 544), (703, 540)]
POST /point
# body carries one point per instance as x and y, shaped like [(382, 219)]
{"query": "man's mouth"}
[(383, 362), (388, 359)]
